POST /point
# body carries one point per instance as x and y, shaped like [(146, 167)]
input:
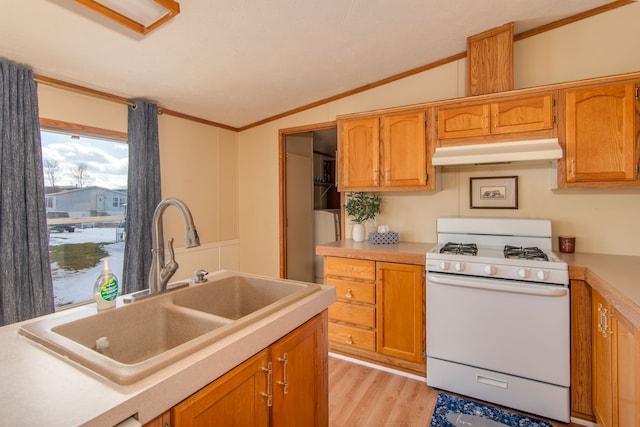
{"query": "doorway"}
[(309, 200)]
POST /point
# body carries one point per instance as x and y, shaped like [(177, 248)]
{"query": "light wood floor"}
[(365, 397)]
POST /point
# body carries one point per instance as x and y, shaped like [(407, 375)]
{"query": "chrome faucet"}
[(160, 272)]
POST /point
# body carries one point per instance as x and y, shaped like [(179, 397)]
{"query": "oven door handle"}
[(493, 285)]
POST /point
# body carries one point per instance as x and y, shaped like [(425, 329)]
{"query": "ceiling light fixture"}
[(141, 16)]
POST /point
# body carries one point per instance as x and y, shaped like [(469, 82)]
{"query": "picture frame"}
[(499, 192)]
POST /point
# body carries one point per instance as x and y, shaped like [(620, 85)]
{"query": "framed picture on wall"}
[(500, 192)]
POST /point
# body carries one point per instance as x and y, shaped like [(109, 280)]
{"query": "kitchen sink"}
[(236, 296), (152, 333)]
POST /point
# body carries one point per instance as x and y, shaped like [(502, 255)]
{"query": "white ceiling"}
[(236, 62)]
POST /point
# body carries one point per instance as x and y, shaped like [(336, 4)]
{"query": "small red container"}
[(567, 244)]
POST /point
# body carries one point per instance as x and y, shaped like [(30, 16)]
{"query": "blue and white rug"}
[(451, 411)]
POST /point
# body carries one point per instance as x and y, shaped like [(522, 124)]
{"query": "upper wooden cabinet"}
[(601, 144), (384, 153), (529, 114), (359, 150), (490, 61)]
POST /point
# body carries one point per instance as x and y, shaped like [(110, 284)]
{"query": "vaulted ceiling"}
[(237, 62)]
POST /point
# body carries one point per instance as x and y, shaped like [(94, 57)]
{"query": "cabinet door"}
[(360, 153), (399, 315), (600, 139), (602, 363), (461, 122), (627, 373), (235, 399), (522, 115), (300, 366), (404, 150)]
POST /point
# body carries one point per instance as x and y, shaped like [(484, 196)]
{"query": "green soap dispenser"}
[(106, 289)]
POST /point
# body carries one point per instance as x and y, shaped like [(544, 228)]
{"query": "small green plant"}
[(362, 206)]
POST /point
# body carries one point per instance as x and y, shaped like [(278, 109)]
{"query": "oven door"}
[(516, 328)]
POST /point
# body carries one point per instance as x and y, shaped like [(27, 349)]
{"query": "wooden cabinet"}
[(507, 116), (300, 377), (352, 317), (359, 149), (600, 137), (616, 366), (399, 315), (284, 385), (379, 312), (490, 61), (384, 153), (237, 398)]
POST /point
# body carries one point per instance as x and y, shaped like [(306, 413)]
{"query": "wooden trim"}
[(358, 90), (119, 99), (82, 129), (456, 57), (172, 7), (571, 19), (196, 119), (282, 184), (81, 89)]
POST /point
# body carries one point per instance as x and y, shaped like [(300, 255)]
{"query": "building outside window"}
[(86, 195)]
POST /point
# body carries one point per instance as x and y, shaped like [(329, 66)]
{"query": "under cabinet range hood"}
[(498, 152)]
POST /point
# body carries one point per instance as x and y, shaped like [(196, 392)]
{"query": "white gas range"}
[(498, 325)]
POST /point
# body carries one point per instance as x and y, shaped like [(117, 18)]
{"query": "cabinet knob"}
[(348, 294), (349, 340)]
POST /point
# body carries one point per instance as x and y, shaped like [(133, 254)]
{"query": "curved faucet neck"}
[(160, 273)]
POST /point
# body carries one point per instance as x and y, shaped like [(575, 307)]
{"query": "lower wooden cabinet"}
[(399, 315), (286, 384), (616, 366), (379, 313)]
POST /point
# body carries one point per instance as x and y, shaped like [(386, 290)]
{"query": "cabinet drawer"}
[(349, 335), (352, 268), (353, 313), (353, 291)]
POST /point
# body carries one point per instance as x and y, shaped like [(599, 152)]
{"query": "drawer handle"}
[(348, 294), (491, 381), (349, 340)]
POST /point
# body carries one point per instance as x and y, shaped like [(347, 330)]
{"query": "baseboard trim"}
[(582, 422), (378, 367)]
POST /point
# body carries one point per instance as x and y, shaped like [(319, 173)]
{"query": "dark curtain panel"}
[(26, 287), (144, 193)]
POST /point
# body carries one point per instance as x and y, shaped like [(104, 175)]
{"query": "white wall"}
[(602, 220)]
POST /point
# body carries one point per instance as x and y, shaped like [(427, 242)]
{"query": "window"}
[(119, 202), (86, 195)]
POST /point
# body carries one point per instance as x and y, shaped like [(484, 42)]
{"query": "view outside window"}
[(86, 194)]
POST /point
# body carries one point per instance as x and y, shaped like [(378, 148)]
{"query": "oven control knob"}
[(458, 266), (541, 275), (444, 265), (490, 269), (523, 273)]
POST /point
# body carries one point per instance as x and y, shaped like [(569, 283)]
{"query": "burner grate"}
[(459, 248), (532, 253)]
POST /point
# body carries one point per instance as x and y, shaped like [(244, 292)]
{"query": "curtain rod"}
[(85, 91)]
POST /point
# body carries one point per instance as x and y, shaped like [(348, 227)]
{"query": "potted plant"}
[(361, 207)]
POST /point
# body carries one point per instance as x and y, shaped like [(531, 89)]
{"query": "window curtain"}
[(143, 195), (26, 286)]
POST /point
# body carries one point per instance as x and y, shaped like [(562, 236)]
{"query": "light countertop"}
[(41, 388), (403, 252), (615, 277)]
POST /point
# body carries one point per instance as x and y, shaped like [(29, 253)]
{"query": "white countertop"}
[(41, 388)]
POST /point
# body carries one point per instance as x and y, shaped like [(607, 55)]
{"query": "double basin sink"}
[(150, 334)]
